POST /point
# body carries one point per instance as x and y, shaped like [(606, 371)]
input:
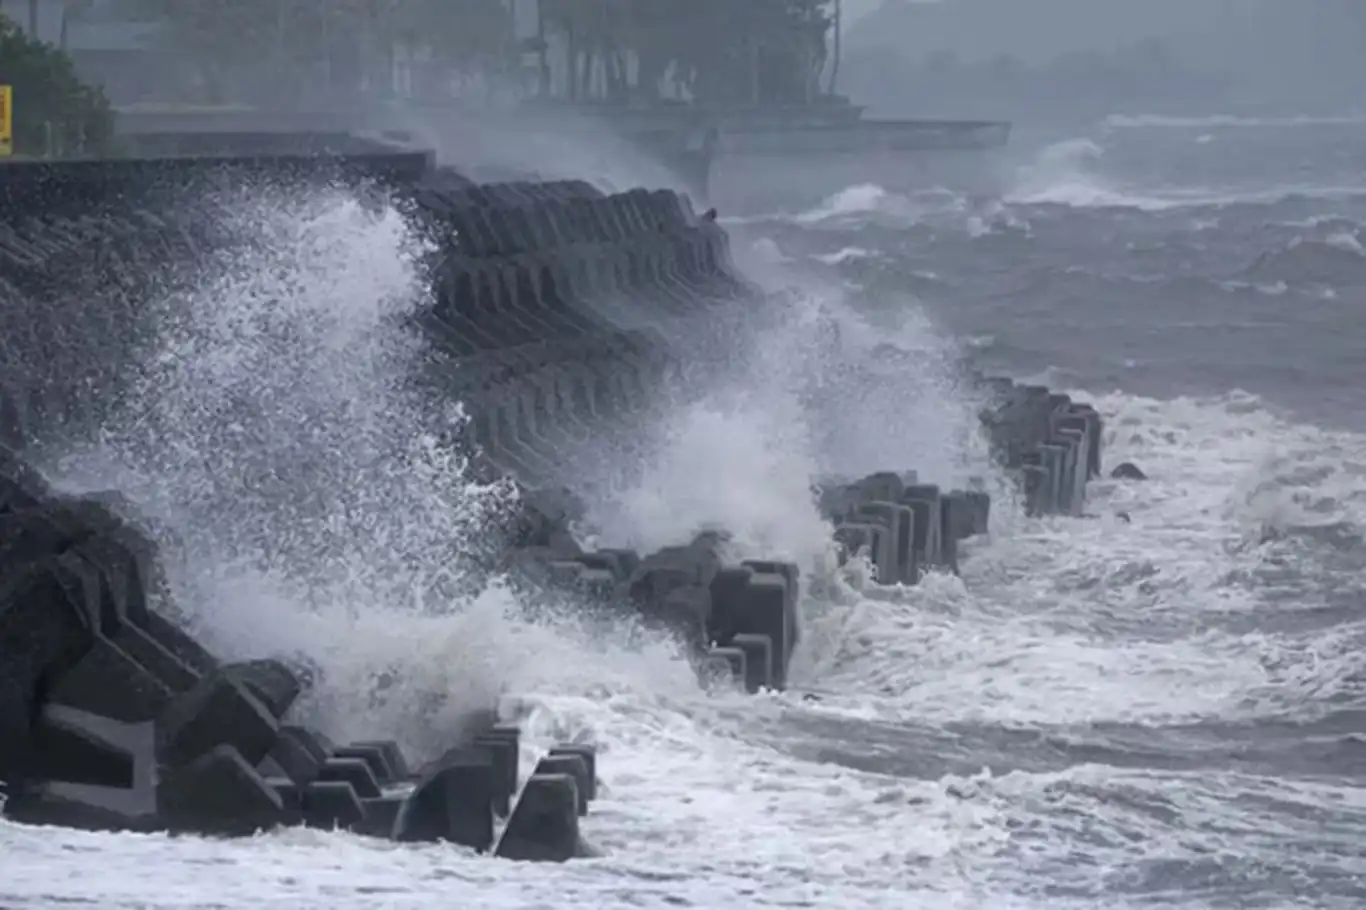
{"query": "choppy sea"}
[(1168, 711)]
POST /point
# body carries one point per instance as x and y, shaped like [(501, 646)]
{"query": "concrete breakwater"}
[(557, 315)]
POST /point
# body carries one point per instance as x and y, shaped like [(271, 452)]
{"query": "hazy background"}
[(1031, 61), (1051, 59), (1021, 59)]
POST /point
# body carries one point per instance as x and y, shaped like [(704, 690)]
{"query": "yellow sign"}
[(6, 120)]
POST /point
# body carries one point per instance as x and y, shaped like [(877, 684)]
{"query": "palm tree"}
[(718, 51)]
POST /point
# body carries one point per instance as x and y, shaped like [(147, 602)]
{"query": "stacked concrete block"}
[(1050, 443), (109, 722), (113, 717), (553, 314)]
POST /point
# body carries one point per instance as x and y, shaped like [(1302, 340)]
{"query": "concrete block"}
[(454, 802), (298, 754), (42, 631), (572, 765), (354, 771), (761, 660), (791, 575), (545, 822), (980, 507), (589, 754), (274, 684), (896, 557), (1053, 459), (1035, 486), (217, 711), (956, 519), (856, 536), (606, 561), (331, 804), (771, 611), (218, 793), (392, 755), (381, 815), (925, 501), (88, 771), (723, 664), (374, 758), (115, 588), (503, 747)]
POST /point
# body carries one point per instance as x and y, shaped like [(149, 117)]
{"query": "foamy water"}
[(1158, 711), (709, 796)]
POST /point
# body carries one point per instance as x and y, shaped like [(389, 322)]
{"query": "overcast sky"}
[(853, 9)]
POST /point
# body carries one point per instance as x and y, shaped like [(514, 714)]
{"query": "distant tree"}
[(54, 111), (291, 36), (217, 35), (718, 51), (461, 33)]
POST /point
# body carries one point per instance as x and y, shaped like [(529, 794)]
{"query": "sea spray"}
[(314, 505)]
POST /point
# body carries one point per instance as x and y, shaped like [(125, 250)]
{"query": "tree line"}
[(712, 51), (55, 113), (614, 50)]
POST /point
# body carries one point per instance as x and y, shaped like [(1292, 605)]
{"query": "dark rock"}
[(1128, 471)]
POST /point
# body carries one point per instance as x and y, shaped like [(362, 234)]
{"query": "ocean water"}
[(1166, 711)]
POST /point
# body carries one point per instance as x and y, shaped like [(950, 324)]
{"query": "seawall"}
[(558, 314)]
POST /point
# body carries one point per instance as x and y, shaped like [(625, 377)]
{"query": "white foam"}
[(857, 205), (314, 502), (1071, 173), (1027, 636), (1225, 121), (704, 802), (820, 391), (845, 254)]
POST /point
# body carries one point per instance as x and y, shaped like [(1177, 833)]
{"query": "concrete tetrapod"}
[(743, 620), (555, 314)]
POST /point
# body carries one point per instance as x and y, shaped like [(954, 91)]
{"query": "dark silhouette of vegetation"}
[(345, 42), (55, 113), (709, 51), (712, 51)]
